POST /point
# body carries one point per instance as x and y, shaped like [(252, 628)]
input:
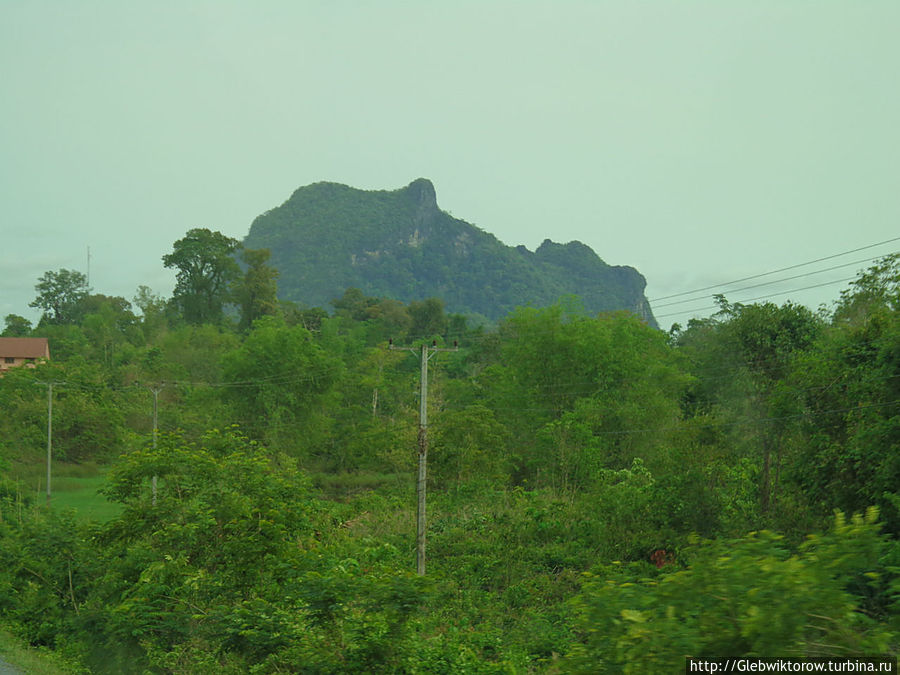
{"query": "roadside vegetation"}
[(603, 497)]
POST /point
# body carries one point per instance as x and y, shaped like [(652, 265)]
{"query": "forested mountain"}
[(398, 244)]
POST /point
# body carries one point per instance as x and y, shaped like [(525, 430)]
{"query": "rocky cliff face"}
[(329, 237)]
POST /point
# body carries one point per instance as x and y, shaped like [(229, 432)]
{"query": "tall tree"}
[(428, 317), (206, 270), (256, 292), (60, 294), (849, 458), (744, 357), (153, 311), (16, 326)]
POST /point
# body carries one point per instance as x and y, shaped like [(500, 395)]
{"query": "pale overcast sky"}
[(699, 142)]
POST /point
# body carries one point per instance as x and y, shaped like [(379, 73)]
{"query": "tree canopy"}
[(59, 294), (602, 496), (206, 269)]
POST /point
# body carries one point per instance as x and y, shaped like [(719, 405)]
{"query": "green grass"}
[(82, 495), (73, 486), (33, 661)]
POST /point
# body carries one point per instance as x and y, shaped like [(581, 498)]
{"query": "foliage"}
[(16, 326), (59, 295), (746, 597), (427, 318), (575, 384), (276, 377), (256, 292), (206, 268), (468, 446), (399, 244), (744, 358), (875, 290), (153, 312), (851, 437), (560, 443)]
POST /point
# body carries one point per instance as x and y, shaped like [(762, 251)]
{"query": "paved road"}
[(6, 669)]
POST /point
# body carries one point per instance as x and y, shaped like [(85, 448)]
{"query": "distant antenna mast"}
[(89, 266)]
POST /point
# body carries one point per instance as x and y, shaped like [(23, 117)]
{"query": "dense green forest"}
[(603, 496), (397, 243)]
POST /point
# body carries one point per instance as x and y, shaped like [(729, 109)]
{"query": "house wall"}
[(7, 362)]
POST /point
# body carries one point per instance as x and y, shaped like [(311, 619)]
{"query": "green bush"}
[(745, 597)]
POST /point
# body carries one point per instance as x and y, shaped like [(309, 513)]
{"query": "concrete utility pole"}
[(427, 353), (49, 386), (155, 391)]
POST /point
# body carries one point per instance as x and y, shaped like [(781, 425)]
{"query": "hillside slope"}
[(328, 237)]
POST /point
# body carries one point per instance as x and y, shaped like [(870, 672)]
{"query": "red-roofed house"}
[(18, 351)]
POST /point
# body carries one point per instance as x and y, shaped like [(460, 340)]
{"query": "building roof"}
[(24, 348)]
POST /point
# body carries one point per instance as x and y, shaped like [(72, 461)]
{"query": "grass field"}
[(73, 486), (82, 495)]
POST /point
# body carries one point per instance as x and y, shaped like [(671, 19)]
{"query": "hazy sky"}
[(699, 142)]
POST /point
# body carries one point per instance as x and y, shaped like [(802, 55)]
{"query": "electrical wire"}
[(782, 269), (776, 281), (761, 297)]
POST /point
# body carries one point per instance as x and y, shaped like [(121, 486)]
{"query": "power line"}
[(783, 269), (776, 281), (761, 297)]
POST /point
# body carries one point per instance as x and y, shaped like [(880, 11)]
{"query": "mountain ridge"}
[(328, 237)]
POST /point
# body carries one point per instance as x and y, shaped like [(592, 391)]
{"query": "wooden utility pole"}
[(427, 353)]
